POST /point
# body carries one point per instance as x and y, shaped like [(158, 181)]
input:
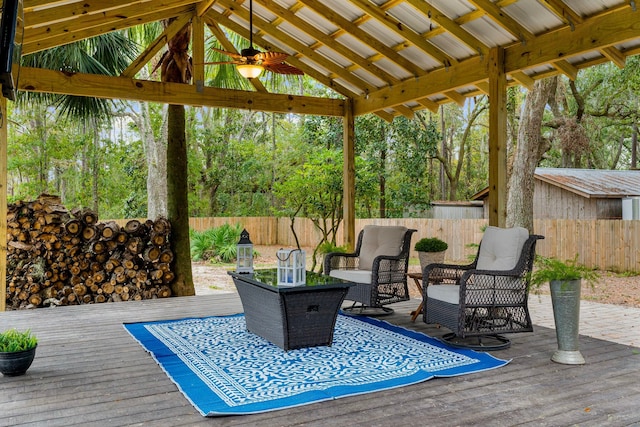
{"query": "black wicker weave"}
[(491, 302), (291, 317), (388, 278)]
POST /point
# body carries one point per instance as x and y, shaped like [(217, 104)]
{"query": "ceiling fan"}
[(250, 62)]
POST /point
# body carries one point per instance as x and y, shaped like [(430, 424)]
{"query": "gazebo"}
[(387, 57)]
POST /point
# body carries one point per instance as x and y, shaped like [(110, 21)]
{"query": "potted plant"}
[(430, 251), (17, 350), (565, 280)]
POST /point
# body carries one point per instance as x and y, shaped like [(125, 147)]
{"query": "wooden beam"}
[(50, 81), (394, 25), (90, 26), (497, 138), (595, 33), (522, 78), (429, 104), (203, 7), (615, 56), (483, 87), (197, 49), (455, 97), (4, 122), (329, 41), (349, 176), (504, 20), (470, 71), (567, 69), (450, 26), (155, 46), (289, 41), (563, 11), (362, 35)]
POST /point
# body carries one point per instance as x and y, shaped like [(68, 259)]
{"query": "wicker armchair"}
[(378, 267), (489, 297)]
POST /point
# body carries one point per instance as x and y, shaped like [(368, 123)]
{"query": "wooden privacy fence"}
[(605, 244)]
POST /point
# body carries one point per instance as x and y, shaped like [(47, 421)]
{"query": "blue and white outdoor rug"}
[(224, 370)]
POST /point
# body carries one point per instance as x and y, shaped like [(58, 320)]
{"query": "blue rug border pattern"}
[(197, 388)]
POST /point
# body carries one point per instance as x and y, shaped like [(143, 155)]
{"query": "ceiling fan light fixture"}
[(249, 71)]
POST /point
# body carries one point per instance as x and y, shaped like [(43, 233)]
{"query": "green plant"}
[(13, 340), (430, 244), (216, 243), (553, 269), (328, 247)]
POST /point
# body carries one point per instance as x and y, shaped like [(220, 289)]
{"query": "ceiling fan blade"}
[(270, 57), (231, 54), (282, 68), (224, 62)]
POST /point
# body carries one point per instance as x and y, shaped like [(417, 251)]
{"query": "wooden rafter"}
[(92, 25), (328, 41), (353, 29), (379, 14), (544, 49), (508, 23), (450, 26)]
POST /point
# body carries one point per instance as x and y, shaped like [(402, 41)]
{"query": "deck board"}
[(89, 371)]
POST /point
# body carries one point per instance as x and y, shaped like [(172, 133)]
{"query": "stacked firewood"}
[(61, 257)]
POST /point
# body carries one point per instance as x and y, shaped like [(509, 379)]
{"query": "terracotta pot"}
[(427, 258), (16, 363)]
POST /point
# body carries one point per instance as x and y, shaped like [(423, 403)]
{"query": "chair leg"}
[(365, 310), (480, 342)]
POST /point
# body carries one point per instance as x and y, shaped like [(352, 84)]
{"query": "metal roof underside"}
[(392, 57)]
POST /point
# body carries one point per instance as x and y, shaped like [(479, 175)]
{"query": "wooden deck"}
[(89, 371)]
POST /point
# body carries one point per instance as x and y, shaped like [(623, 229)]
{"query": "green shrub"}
[(328, 247), (217, 243), (13, 340), (430, 244)]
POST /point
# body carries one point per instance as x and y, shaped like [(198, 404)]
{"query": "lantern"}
[(244, 254), (291, 267)]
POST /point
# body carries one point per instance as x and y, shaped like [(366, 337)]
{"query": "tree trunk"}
[(178, 203), (156, 158), (176, 67), (531, 147)]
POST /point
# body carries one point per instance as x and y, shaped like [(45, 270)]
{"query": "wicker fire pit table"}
[(291, 316)]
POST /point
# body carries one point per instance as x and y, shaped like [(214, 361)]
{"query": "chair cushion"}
[(446, 293), (357, 276), (501, 247), (380, 240)]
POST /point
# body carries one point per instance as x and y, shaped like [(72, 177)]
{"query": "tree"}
[(457, 141), (176, 67), (107, 54), (531, 146)]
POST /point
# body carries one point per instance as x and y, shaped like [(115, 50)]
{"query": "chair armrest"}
[(435, 274), (340, 261)]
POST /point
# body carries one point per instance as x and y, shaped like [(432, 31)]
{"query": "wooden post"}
[(349, 177), (4, 121), (497, 138), (197, 36)]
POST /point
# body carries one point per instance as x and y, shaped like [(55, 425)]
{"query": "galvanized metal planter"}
[(565, 297)]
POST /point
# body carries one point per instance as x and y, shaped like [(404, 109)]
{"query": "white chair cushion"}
[(446, 293), (357, 276), (501, 247), (380, 240)]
